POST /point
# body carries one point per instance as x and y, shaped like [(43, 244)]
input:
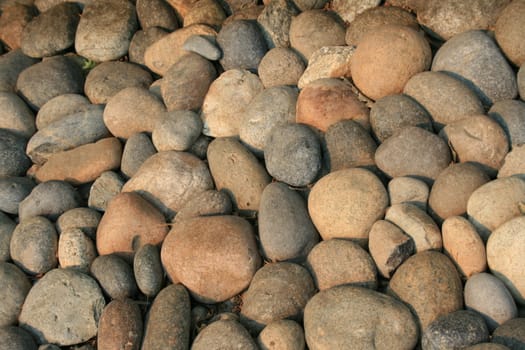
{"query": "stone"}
[(336, 217), (327, 62), (508, 31), (105, 30), (200, 146), (417, 224), (193, 246), (59, 107), (282, 334), (133, 110), (521, 82), (404, 189), (513, 163), (280, 66), (12, 63), (16, 338), (63, 308), (429, 284), (349, 10), (464, 246), (452, 189), (207, 203), (348, 145), (326, 101), (495, 203), (13, 159), (147, 269), (455, 330), (16, 286), (487, 346), (120, 326), (221, 117), (15, 116), (386, 47), (186, 82), (486, 71), (86, 126), (237, 171), (293, 154), (511, 333), (286, 231), (137, 149), (271, 109), (275, 20), (224, 334), (14, 19), (313, 29), (13, 190), (44, 5), (505, 254), (445, 98), (130, 222), (278, 291), (105, 188), (82, 164), (75, 250), (336, 262), (169, 179), (167, 325), (392, 113), (114, 275), (177, 131), (141, 40), (389, 246), (52, 77), (51, 199), (204, 46), (249, 12), (165, 52), (413, 152), (51, 32), (305, 5), (108, 78), (209, 12), (347, 317), (510, 116), (156, 13), (85, 219), (487, 295), (7, 227)]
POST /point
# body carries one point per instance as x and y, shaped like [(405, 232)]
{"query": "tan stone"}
[(120, 326), (327, 62)]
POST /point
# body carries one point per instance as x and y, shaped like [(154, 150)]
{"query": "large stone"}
[(224, 334), (13, 295), (282, 334), (13, 158), (327, 62), (115, 276), (15, 116), (509, 29), (59, 107), (120, 326), (509, 115), (148, 271), (275, 21), (12, 64), (281, 66)]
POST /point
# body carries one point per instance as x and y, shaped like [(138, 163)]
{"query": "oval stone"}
[(13, 190), (147, 269), (120, 326), (177, 131), (509, 115), (286, 334), (13, 295), (59, 107), (75, 250), (13, 158), (224, 334), (137, 149), (16, 116), (85, 219), (114, 276)]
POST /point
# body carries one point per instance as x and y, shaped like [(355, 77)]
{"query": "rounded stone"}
[(13, 190), (513, 164), (209, 12), (242, 44), (379, 51), (177, 131), (487, 346), (115, 276), (429, 284), (280, 66), (486, 70), (11, 64), (120, 326), (207, 203), (355, 317), (104, 189), (13, 159), (509, 29), (275, 20), (16, 338), (277, 291), (137, 149), (336, 262), (141, 40), (156, 13), (452, 189), (487, 295), (13, 294), (293, 154), (509, 115), (328, 62), (204, 46), (224, 334), (336, 217), (282, 334), (286, 231), (455, 330), (521, 82), (444, 97), (16, 116), (404, 189), (85, 219), (197, 253), (313, 29), (59, 107), (75, 250), (7, 227), (511, 333), (148, 271), (348, 10), (413, 152), (63, 308), (505, 253)]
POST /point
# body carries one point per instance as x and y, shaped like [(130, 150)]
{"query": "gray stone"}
[(51, 199), (511, 334), (485, 70), (141, 41), (120, 326), (137, 149), (107, 186), (59, 107), (286, 231), (275, 21), (204, 46), (455, 330), (7, 227), (510, 115), (208, 12), (347, 317), (16, 338), (52, 32), (85, 219), (177, 131), (15, 116), (156, 13), (13, 190), (200, 146), (207, 203), (521, 82), (115, 276), (328, 62), (487, 346), (63, 308), (224, 334), (406, 189), (13, 159), (12, 64), (52, 77), (14, 18), (167, 325), (277, 291), (105, 30), (147, 269), (282, 334), (16, 286), (281, 66), (75, 250), (305, 5)]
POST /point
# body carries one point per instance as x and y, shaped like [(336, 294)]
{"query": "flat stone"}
[(327, 62), (404, 189), (120, 326), (107, 186), (15, 116), (13, 158), (59, 107), (13, 190), (13, 295), (148, 270), (75, 250), (115, 276), (204, 46)]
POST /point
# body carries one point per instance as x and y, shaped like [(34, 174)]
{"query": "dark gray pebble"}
[(148, 271), (115, 276), (13, 159), (12, 191)]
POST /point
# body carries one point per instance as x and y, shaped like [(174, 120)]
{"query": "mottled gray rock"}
[(12, 64), (85, 219), (224, 334), (75, 250), (275, 21), (147, 269), (327, 62), (156, 13), (521, 82), (59, 107), (404, 189), (177, 131), (115, 276), (13, 159), (63, 308), (7, 227), (52, 32), (12, 191), (348, 10), (105, 30), (511, 334), (120, 326), (347, 317), (141, 41), (510, 116), (107, 186), (282, 334), (485, 70), (204, 46), (51, 199), (281, 66), (487, 346), (16, 286), (15, 116), (16, 338), (207, 203), (137, 149)]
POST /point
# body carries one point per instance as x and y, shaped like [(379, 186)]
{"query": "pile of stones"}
[(239, 174)]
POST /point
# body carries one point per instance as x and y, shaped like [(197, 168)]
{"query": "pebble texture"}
[(120, 326), (16, 286), (224, 334), (115, 276)]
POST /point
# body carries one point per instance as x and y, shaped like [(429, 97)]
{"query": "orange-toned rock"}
[(82, 164), (120, 326), (14, 18)]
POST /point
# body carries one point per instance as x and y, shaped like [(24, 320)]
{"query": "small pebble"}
[(107, 186), (115, 276), (13, 190), (147, 269), (224, 334), (75, 250), (7, 227), (137, 149), (177, 131), (282, 335), (58, 107), (281, 66), (204, 46), (17, 286), (120, 326)]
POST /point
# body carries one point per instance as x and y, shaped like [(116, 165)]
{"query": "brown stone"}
[(120, 326), (327, 62), (13, 20)]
